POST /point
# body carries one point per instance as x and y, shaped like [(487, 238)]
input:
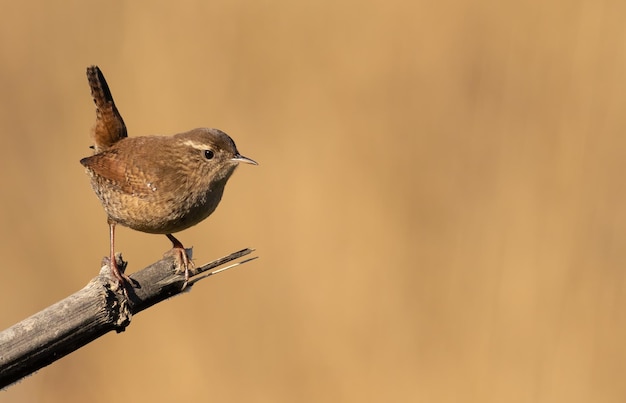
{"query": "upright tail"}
[(109, 127)]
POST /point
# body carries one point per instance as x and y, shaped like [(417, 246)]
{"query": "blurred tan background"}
[(439, 207)]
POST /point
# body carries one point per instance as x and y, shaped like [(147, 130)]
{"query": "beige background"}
[(439, 210)]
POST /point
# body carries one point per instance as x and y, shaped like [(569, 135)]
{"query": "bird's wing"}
[(119, 173)]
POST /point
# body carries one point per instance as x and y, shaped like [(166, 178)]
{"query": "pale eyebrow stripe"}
[(197, 146)]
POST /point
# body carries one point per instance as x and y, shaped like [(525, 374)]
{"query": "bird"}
[(155, 184)]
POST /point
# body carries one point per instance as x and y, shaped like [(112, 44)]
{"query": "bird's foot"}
[(182, 261), (117, 266)]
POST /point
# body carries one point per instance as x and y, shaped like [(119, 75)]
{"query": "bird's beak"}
[(241, 158)]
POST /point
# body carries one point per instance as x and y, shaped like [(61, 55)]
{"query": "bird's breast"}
[(161, 210)]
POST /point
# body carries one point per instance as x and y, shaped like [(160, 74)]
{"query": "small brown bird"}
[(155, 184)]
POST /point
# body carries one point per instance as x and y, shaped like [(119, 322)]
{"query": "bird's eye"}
[(209, 154)]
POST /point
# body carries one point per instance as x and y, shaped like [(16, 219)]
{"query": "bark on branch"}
[(101, 306)]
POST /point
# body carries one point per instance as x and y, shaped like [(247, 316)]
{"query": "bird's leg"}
[(180, 255), (123, 278)]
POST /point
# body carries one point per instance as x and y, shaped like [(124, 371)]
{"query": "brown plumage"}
[(155, 184), (109, 127)]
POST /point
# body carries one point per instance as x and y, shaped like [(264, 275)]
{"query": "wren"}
[(155, 184)]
